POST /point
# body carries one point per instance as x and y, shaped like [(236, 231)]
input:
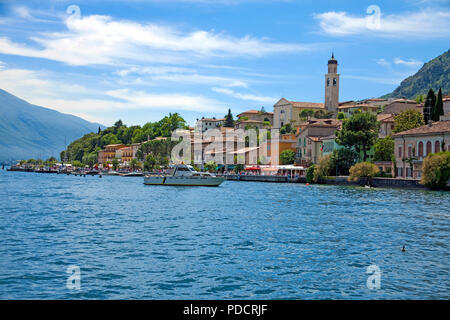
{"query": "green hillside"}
[(434, 74)]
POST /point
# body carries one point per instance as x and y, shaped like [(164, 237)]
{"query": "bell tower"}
[(332, 86)]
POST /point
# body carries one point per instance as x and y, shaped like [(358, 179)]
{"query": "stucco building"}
[(412, 146)]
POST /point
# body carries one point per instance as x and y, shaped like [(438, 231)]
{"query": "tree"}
[(229, 122), (306, 114), (363, 170), (238, 168), (430, 103), (342, 160), (210, 166), (322, 114), (133, 164), (115, 163), (149, 163), (384, 149), (287, 157), (407, 120), (359, 132), (436, 170), (438, 110)]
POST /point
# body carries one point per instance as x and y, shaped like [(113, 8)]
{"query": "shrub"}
[(436, 170), (287, 157), (363, 170), (323, 168), (210, 166), (310, 174), (342, 160)]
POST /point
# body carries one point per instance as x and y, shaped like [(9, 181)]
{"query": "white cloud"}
[(99, 39), (38, 87), (410, 63), (406, 26), (249, 97)]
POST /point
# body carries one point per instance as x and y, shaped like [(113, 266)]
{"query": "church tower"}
[(332, 86)]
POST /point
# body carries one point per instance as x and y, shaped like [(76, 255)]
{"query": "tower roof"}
[(332, 60)]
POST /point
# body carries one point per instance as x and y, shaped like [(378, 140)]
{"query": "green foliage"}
[(360, 132), (322, 114), (428, 108), (134, 164), (436, 170), (115, 163), (384, 149), (77, 164), (408, 119), (310, 174), (434, 74), (287, 157), (340, 115), (306, 114), (363, 170), (342, 160), (229, 122), (210, 166), (286, 129), (91, 143), (150, 163), (438, 109), (238, 168), (323, 168)]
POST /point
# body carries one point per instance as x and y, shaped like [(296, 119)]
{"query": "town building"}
[(288, 112), (332, 86), (349, 110), (386, 124), (310, 140), (109, 153), (399, 105), (446, 102), (205, 124), (412, 146), (246, 124), (256, 116)]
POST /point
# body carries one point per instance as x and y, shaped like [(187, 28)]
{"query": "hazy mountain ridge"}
[(30, 131)]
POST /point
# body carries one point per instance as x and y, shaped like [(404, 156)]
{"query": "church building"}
[(288, 112)]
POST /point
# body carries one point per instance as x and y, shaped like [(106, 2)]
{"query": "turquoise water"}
[(242, 240)]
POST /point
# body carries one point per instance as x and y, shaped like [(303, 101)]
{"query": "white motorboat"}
[(183, 175)]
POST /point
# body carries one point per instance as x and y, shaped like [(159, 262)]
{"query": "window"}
[(334, 82), (420, 149), (428, 147), (328, 82), (409, 151), (437, 146), (399, 152)]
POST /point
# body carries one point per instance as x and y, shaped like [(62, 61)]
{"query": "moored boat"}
[(183, 175)]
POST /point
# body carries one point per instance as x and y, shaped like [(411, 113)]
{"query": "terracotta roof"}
[(435, 127), (375, 99), (211, 119), (252, 112), (403, 100), (324, 122), (250, 121), (357, 106), (312, 105), (385, 117)]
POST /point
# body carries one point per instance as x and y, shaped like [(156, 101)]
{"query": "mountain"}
[(434, 74), (29, 131)]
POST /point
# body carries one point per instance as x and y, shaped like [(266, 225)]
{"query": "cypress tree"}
[(430, 104), (439, 107), (229, 122)]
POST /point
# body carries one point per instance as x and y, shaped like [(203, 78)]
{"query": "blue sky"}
[(139, 60)]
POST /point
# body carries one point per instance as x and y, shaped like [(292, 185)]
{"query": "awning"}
[(253, 168)]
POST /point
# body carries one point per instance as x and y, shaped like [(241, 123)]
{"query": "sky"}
[(141, 60)]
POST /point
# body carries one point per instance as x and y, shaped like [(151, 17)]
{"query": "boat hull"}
[(183, 181)]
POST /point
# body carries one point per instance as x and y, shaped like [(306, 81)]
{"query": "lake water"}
[(242, 240)]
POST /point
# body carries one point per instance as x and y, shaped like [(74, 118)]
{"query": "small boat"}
[(183, 175), (132, 174), (111, 173)]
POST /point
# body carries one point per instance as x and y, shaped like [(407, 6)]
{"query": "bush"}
[(210, 166), (323, 168), (310, 174), (287, 157), (436, 170), (363, 170)]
